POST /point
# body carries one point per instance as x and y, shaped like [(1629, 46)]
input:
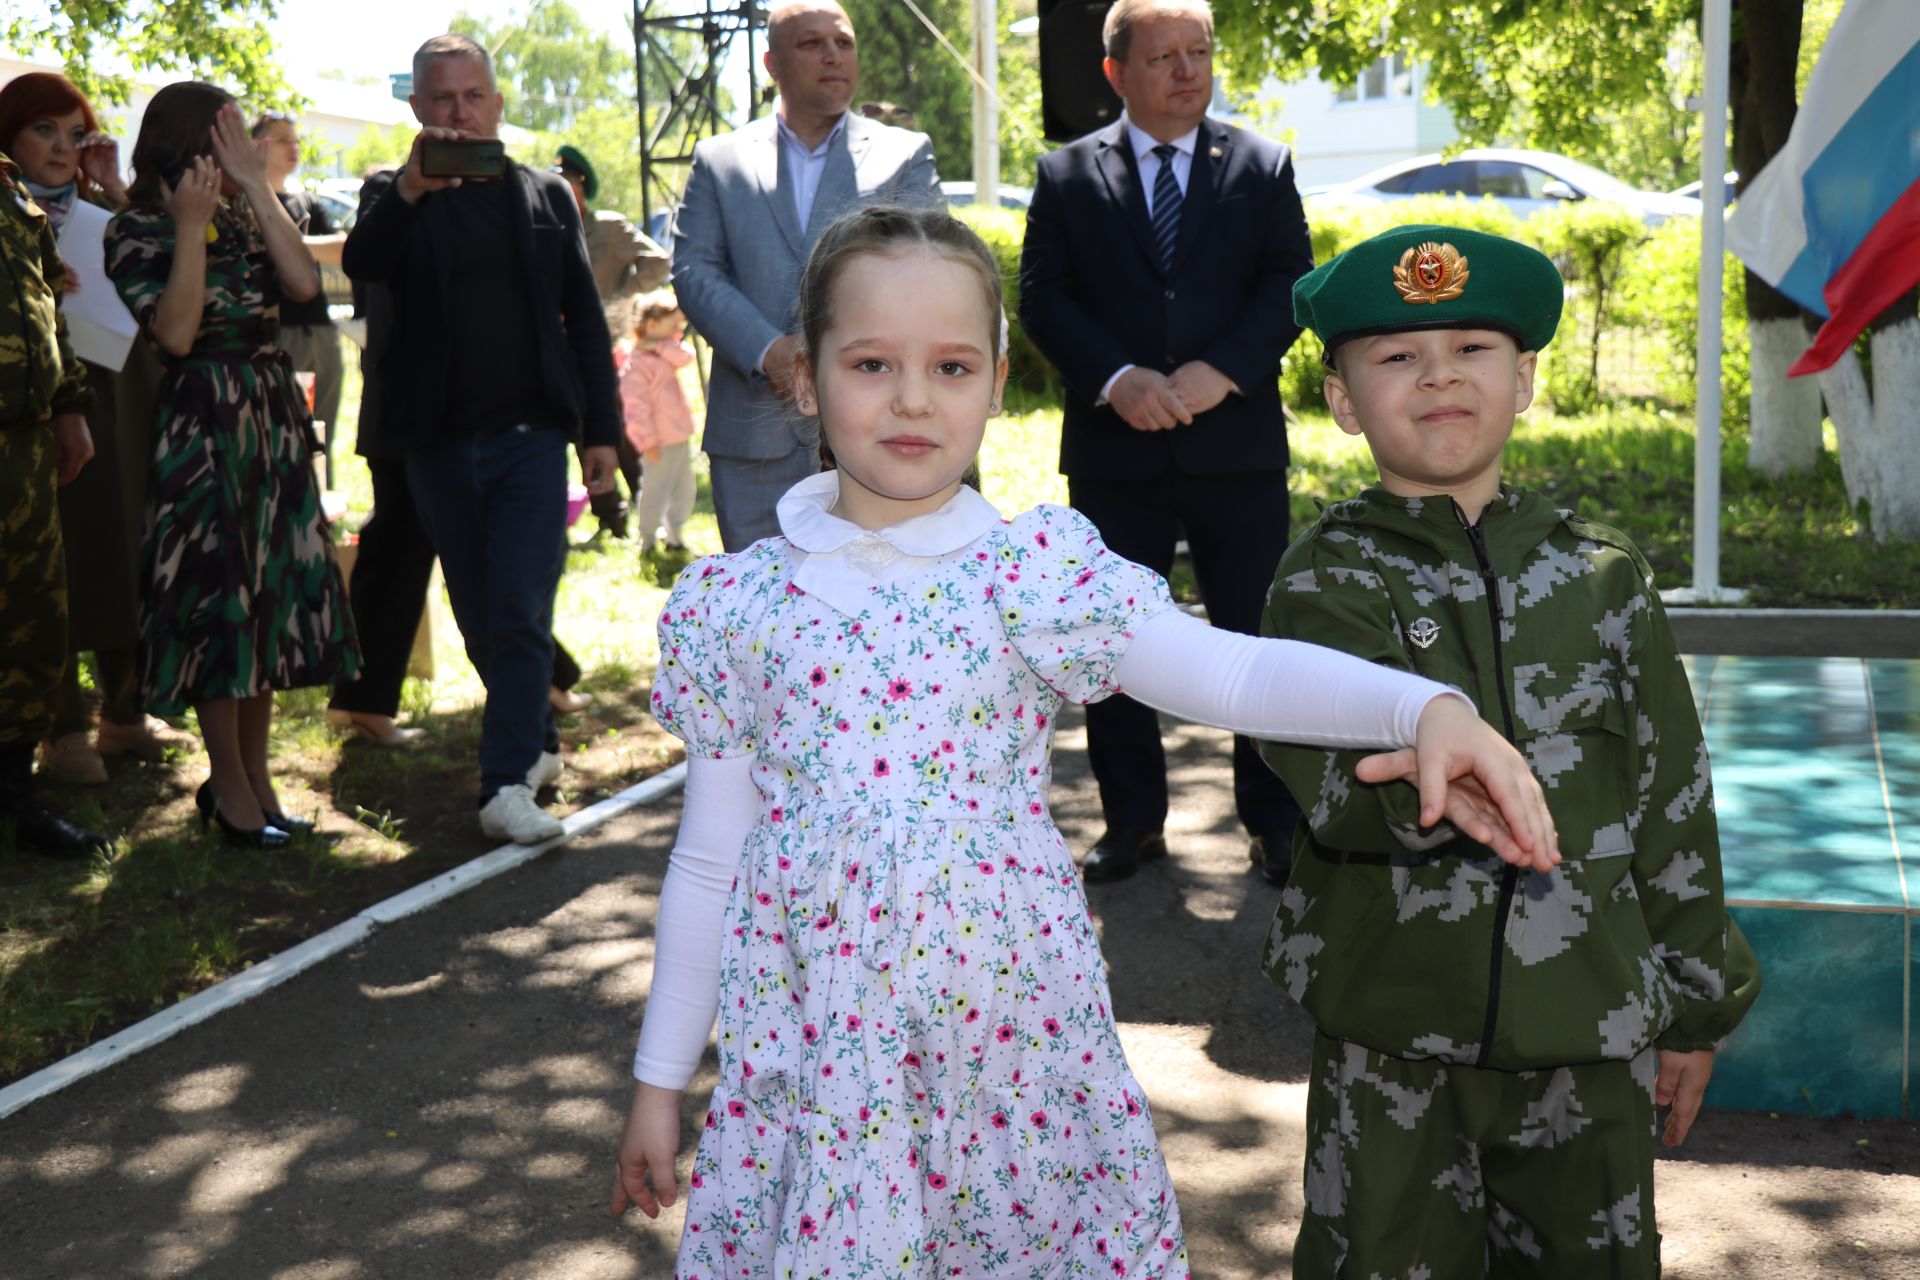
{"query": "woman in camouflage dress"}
[(240, 592)]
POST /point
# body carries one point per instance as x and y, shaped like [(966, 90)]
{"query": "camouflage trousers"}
[(1423, 1170), (33, 585)]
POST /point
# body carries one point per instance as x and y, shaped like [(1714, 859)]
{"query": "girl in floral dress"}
[(919, 1069)]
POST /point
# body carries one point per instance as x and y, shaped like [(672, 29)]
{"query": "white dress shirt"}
[(805, 165)]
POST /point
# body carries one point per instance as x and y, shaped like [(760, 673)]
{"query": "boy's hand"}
[(1454, 746), (643, 1167), (1681, 1084)]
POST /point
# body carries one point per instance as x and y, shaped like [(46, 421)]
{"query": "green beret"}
[(1428, 277), (570, 157)]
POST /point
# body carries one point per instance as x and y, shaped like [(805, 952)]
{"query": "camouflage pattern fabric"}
[(39, 376), (33, 586), (240, 590), (1423, 944), (1421, 1170)]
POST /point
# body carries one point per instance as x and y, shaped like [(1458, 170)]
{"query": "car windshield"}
[(1591, 180)]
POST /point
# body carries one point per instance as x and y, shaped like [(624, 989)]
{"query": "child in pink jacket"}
[(659, 423)]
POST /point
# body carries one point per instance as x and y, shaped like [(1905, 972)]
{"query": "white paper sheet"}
[(98, 323)]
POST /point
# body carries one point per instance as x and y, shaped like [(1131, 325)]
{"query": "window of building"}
[(1387, 79)]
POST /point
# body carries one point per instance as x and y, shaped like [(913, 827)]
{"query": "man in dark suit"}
[(1158, 276), (497, 361)]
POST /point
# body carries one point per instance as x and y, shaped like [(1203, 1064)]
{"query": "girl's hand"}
[(100, 161), (1454, 746), (1681, 1084), (245, 163), (643, 1167), (192, 202)]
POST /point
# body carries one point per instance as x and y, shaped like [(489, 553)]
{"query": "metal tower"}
[(691, 69)]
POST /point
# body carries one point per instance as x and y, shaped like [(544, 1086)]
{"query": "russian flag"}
[(1833, 221)]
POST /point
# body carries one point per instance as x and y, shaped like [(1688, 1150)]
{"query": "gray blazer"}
[(738, 250)]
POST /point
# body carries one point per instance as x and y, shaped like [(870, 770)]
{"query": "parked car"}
[(1693, 188), (1527, 182), (961, 193)]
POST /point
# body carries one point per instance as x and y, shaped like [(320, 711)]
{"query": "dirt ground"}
[(442, 1101)]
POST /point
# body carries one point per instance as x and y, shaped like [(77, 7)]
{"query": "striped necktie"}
[(1166, 205)]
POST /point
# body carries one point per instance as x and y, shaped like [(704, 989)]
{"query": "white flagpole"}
[(1715, 35), (986, 114)]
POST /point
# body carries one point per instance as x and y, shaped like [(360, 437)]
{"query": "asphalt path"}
[(442, 1100)]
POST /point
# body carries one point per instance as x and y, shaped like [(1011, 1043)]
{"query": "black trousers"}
[(1236, 529), (389, 591)]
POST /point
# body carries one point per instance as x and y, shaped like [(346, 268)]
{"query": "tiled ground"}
[(1816, 769)]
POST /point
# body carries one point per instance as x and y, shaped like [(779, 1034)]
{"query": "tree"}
[(1564, 75), (551, 66), (223, 41)]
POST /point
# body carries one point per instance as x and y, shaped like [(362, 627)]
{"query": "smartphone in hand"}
[(462, 158)]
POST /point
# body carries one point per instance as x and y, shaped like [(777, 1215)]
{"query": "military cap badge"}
[(1431, 272), (1424, 632)]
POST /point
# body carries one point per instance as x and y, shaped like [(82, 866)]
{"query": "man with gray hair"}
[(756, 201), (496, 360), (1157, 276)]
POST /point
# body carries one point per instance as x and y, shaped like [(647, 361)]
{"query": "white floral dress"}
[(919, 1070)]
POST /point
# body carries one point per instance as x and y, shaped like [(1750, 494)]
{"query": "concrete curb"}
[(270, 973), (1808, 633)]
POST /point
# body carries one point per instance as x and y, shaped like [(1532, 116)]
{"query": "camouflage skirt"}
[(240, 591)]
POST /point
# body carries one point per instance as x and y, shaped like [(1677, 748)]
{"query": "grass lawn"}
[(87, 948)]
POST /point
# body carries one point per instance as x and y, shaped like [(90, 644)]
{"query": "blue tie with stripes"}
[(1166, 205)]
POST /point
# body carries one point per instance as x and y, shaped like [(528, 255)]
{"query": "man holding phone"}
[(495, 362)]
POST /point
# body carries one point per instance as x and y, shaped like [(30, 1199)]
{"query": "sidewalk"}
[(442, 1101)]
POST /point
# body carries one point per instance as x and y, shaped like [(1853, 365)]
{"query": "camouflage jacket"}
[(39, 374), (1425, 944)]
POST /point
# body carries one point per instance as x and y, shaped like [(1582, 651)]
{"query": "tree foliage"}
[(222, 41), (551, 65)]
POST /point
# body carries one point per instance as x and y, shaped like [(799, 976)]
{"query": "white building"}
[(1340, 133)]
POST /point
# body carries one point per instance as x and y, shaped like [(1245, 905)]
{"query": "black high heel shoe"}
[(270, 835)]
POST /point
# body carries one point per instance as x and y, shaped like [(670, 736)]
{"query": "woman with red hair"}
[(49, 130)]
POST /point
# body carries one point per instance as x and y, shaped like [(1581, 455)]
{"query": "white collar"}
[(841, 563), (1143, 142)]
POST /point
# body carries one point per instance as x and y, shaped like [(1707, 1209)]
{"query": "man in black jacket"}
[(1157, 276), (498, 359)]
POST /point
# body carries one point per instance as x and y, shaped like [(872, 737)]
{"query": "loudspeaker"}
[(1075, 97)]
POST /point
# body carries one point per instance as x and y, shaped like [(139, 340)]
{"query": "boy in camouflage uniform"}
[(43, 444), (1492, 1041)]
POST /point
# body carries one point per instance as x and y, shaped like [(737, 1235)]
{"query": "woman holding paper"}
[(72, 171)]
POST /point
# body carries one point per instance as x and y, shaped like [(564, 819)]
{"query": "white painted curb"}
[(270, 973)]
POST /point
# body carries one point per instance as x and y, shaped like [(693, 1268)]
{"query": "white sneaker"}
[(512, 813), (545, 770)]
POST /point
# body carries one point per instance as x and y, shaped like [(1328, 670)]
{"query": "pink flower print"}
[(842, 725), (1038, 1119), (810, 1033), (764, 898), (1041, 538), (938, 1181), (817, 677), (898, 689), (853, 1022), (946, 746), (880, 769), (729, 1248), (807, 1225), (973, 1015), (713, 1121), (1166, 1242), (1039, 719), (1052, 1025), (1086, 1058), (846, 949), (1035, 808), (912, 1060), (736, 1108), (1133, 1108), (696, 1181), (779, 814), (1004, 1032), (986, 868), (785, 863)]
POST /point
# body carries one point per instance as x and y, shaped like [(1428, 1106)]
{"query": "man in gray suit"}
[(756, 201)]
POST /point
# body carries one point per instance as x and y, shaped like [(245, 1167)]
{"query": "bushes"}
[(1030, 379), (1591, 242), (1659, 298)]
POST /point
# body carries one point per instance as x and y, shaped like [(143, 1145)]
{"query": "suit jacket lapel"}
[(839, 181), (1211, 153), (1114, 156), (770, 170)]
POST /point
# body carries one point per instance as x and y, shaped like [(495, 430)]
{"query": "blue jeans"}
[(495, 507)]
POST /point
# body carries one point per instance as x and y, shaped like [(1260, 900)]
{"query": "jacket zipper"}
[(1509, 874)]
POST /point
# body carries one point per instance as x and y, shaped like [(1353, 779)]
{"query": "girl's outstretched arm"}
[(1290, 691), (722, 805)]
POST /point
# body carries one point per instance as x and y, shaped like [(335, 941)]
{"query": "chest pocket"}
[(1571, 724)]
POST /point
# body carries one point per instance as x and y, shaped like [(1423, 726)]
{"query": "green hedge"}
[(1030, 379)]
